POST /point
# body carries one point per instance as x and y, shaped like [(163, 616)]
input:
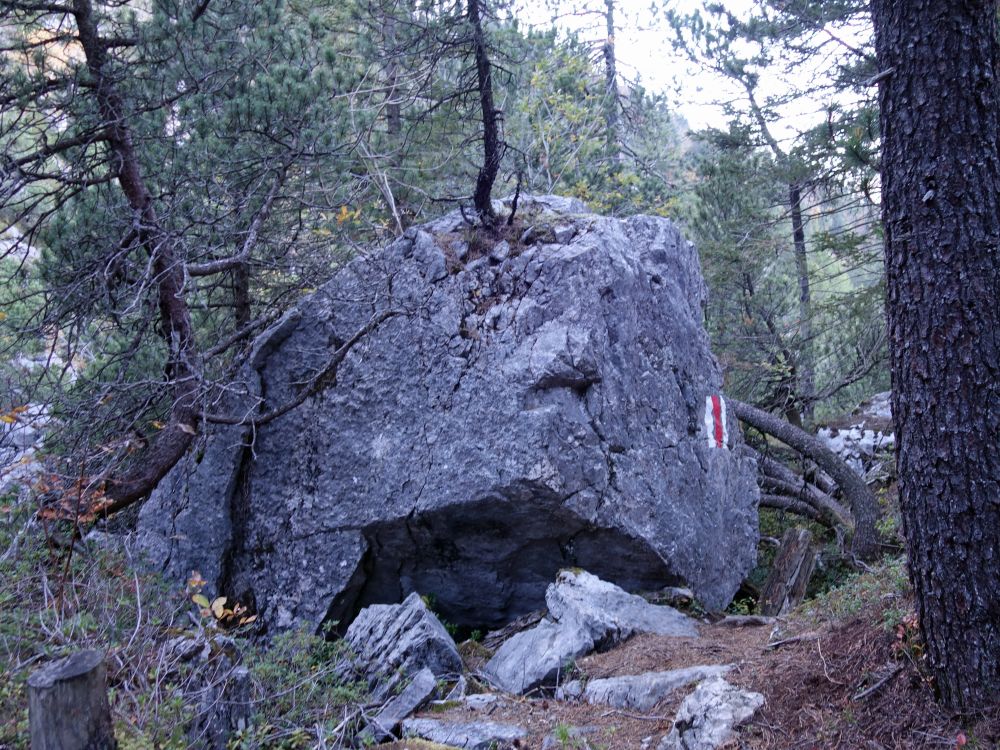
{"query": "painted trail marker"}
[(715, 421)]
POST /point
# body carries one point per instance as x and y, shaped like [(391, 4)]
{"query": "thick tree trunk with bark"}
[(864, 506), (940, 124)]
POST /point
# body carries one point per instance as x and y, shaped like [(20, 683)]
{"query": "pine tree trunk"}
[(940, 121), (492, 142), (168, 275), (806, 385), (612, 149), (864, 506)]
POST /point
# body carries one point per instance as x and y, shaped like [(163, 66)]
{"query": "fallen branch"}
[(811, 636), (864, 506), (885, 680)]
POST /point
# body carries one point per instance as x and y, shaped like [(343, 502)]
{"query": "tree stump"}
[(793, 566), (68, 705)]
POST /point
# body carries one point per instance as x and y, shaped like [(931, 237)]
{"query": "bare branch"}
[(253, 233), (325, 378)]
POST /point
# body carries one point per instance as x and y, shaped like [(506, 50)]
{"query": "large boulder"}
[(538, 403)]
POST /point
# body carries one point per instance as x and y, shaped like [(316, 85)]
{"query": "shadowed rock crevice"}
[(489, 563)]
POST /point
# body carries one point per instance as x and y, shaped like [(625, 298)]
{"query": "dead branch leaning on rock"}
[(864, 506)]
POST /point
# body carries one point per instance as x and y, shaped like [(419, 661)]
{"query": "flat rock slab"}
[(537, 657), (639, 692), (393, 640), (475, 735), (585, 614), (707, 717), (413, 696), (609, 613)]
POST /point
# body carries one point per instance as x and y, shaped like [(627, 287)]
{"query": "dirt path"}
[(850, 685)]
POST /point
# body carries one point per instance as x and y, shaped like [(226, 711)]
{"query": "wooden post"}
[(793, 566), (68, 705)]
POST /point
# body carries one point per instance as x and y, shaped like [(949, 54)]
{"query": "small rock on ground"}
[(639, 692), (537, 657), (392, 640), (475, 735), (611, 614), (586, 613), (707, 717), (413, 696)]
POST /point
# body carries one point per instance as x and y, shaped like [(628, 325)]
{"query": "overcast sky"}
[(644, 52)]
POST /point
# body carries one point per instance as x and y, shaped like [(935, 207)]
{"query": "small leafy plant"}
[(216, 610)]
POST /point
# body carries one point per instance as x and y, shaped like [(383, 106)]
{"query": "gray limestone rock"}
[(538, 656), (537, 410), (390, 641), (585, 613), (707, 717), (638, 692), (610, 614), (476, 735), (414, 695)]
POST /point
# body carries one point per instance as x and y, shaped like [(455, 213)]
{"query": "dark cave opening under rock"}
[(484, 563)]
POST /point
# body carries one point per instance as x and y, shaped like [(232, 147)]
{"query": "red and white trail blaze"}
[(715, 421)]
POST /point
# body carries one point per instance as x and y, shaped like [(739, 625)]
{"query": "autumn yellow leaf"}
[(343, 215), (219, 607), (201, 600)]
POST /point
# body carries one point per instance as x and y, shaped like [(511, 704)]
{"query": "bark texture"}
[(941, 210), (793, 566), (806, 380), (492, 141), (68, 705), (168, 272), (613, 141)]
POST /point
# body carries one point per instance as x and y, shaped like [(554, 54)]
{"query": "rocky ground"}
[(844, 671), (829, 682)]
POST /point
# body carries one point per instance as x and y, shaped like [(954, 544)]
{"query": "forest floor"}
[(844, 672)]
